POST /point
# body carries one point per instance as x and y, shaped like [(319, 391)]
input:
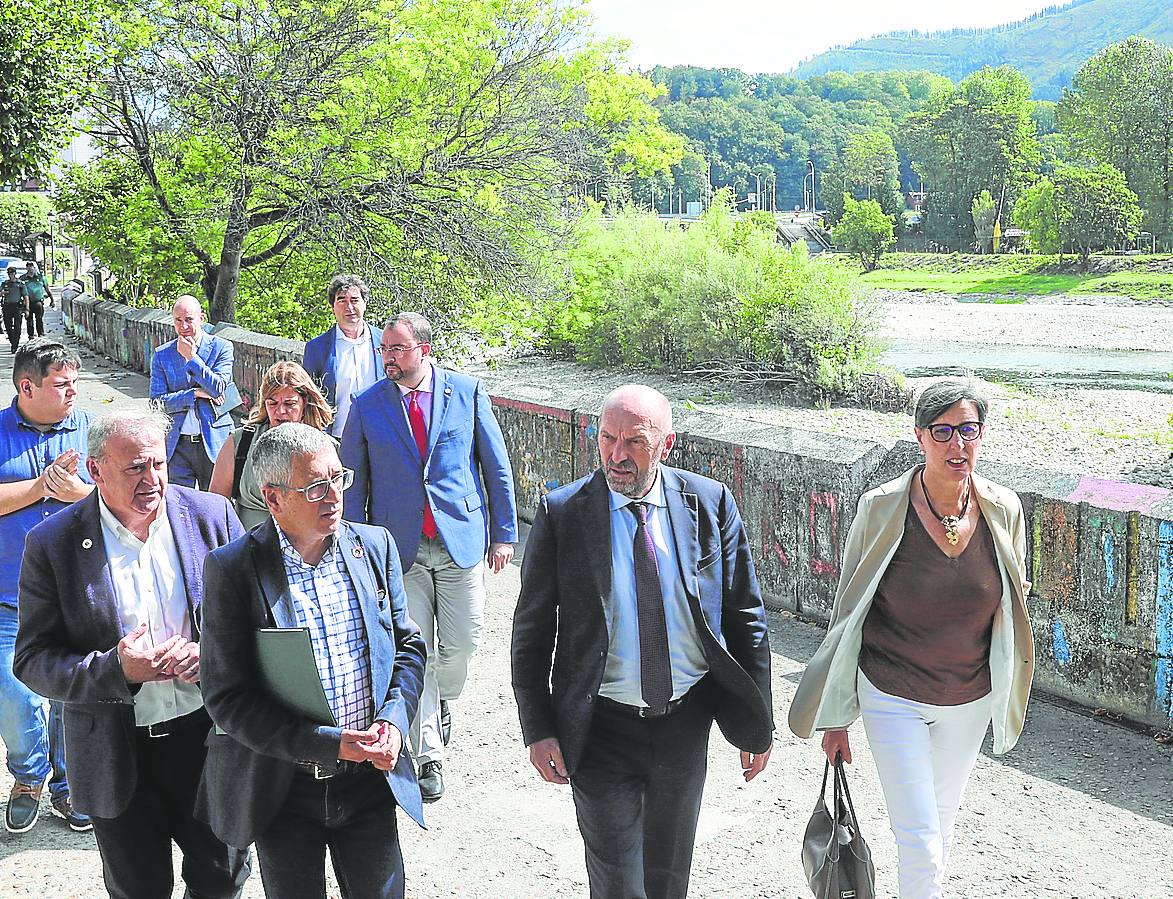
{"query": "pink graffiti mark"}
[(1117, 495), (770, 543), (828, 501)]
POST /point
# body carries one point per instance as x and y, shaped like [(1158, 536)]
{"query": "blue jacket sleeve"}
[(493, 458)]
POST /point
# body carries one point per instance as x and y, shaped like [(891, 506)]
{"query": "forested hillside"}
[(1048, 48)]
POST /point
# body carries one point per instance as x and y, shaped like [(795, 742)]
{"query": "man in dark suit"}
[(345, 360), (188, 377), (430, 465), (109, 597), (640, 621), (295, 785)]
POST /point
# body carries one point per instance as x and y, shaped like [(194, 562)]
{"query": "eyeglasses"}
[(969, 430), (316, 492), (398, 349)]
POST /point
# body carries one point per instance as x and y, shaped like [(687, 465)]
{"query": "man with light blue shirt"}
[(345, 359), (42, 470), (639, 623)]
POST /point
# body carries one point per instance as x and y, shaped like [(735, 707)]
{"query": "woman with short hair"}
[(288, 394), (929, 640)]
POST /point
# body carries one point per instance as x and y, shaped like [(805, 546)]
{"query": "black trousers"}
[(36, 316), (637, 792), (13, 318), (136, 846), (189, 465)]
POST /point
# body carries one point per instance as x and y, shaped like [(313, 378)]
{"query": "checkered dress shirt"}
[(325, 601)]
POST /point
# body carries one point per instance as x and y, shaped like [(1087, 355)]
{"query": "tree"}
[(430, 144), (871, 164), (1119, 111), (47, 52), (864, 231), (21, 216), (978, 135), (984, 213), (1097, 209), (1037, 214)]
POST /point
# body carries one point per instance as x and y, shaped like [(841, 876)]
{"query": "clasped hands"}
[(59, 480), (380, 745), (175, 657)]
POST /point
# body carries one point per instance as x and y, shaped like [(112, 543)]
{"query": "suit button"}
[(590, 699)]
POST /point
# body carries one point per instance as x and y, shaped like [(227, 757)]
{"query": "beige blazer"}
[(826, 698)]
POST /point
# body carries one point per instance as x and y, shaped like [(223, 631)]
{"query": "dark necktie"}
[(419, 430), (655, 667)]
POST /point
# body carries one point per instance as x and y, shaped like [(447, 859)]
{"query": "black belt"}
[(194, 438), (191, 721), (325, 772), (643, 711)]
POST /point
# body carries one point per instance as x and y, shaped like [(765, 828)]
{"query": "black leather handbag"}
[(836, 858)]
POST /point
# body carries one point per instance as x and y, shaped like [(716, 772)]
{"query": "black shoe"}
[(24, 807), (445, 722), (431, 780)]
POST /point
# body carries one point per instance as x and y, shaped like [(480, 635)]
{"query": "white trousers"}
[(924, 755), (447, 603)]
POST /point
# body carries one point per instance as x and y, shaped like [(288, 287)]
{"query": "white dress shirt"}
[(621, 676), (149, 587), (354, 372), (425, 396), (191, 421)]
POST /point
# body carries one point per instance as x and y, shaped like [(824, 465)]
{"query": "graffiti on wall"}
[(823, 533)]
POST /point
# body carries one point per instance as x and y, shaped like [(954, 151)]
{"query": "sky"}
[(775, 35)]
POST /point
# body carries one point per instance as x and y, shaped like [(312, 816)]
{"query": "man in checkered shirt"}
[(294, 785)]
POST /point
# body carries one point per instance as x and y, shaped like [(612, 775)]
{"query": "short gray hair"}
[(125, 424), (421, 328), (274, 453), (940, 396)]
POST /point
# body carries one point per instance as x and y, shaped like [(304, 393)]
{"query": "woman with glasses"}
[(288, 394), (929, 640)]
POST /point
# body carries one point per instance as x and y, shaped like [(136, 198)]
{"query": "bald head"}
[(635, 436), (187, 316)]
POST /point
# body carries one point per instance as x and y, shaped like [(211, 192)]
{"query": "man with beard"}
[(640, 622), (430, 465)]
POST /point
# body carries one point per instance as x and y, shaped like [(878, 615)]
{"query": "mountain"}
[(1049, 47)]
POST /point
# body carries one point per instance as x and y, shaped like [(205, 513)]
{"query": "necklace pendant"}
[(951, 522)]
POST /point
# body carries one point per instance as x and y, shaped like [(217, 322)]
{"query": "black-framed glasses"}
[(969, 430), (316, 492), (398, 349)]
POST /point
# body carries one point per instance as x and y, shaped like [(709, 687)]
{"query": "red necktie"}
[(419, 430)]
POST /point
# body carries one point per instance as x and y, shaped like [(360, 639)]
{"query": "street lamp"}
[(810, 174)]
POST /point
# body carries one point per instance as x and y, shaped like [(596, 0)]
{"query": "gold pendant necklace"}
[(951, 522)]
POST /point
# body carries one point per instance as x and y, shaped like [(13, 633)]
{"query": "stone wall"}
[(1100, 553)]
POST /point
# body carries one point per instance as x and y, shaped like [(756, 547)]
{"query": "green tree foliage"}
[(1120, 111), (1097, 210), (984, 212), (1038, 215), (864, 231), (716, 295), (21, 216), (47, 51), (429, 144), (977, 135)]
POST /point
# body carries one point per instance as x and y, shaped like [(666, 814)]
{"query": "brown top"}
[(927, 634)]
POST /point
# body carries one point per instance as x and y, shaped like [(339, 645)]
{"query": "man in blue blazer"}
[(639, 623), (430, 465), (345, 360), (110, 596), (292, 784), (188, 378)]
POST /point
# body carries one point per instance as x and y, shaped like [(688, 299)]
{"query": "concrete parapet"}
[(1099, 552)]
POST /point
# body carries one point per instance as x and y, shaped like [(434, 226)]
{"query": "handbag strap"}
[(244, 441), (842, 792)]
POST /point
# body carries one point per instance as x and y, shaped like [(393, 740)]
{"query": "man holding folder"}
[(290, 781)]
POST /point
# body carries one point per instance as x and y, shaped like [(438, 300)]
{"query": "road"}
[(1081, 809)]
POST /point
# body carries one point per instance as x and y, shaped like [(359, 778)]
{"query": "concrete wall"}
[(1100, 553)]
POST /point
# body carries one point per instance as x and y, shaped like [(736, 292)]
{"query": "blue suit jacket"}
[(466, 465), (173, 385), (319, 361), (560, 628), (66, 647), (249, 768)]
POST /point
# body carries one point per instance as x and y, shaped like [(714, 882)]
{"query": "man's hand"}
[(64, 485), (754, 763), (186, 347), (142, 666), (201, 394), (546, 756), (182, 661), (380, 745), (500, 555), (835, 741), (390, 743)]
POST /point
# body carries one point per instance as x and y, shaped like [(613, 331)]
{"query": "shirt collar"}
[(119, 530), (68, 423), (363, 335), (289, 551), (654, 497), (425, 386)]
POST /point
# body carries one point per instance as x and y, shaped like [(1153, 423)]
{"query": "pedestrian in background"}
[(36, 288), (929, 639), (14, 304)]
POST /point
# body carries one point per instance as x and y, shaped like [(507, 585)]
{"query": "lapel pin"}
[(87, 543), (357, 552)]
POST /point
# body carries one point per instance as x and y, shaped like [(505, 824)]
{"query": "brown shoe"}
[(24, 807)]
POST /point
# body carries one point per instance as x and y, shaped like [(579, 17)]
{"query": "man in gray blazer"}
[(293, 784), (110, 594)]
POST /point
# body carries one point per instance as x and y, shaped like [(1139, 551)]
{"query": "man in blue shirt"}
[(42, 470)]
